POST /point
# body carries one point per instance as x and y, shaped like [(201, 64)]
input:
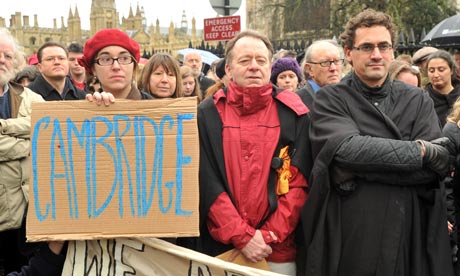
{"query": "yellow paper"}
[(242, 260)]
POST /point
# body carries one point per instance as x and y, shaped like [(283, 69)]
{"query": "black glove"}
[(344, 180), (436, 155)]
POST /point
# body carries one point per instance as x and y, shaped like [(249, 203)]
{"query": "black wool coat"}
[(390, 219)]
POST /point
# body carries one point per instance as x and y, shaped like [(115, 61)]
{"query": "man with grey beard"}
[(15, 110)]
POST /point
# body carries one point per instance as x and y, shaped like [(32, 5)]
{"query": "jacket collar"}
[(15, 97), (249, 100), (69, 88)]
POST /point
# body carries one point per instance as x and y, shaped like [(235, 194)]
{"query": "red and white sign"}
[(221, 28)]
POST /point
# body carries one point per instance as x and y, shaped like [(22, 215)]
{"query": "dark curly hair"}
[(367, 18)]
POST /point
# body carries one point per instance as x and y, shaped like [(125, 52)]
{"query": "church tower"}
[(103, 15), (194, 37), (74, 25), (134, 22), (184, 23)]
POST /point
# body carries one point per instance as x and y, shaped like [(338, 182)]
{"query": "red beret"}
[(104, 38), (33, 59)]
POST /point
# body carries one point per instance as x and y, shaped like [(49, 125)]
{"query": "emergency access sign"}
[(221, 28)]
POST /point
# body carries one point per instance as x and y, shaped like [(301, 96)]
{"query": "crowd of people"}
[(344, 163)]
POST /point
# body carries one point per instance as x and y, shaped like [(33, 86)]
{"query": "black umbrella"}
[(445, 34)]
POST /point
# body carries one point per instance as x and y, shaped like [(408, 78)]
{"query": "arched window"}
[(32, 40)]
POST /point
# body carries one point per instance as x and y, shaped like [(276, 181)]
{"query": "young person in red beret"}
[(113, 58)]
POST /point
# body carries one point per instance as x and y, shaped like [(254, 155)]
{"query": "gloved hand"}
[(436, 155), (344, 180)]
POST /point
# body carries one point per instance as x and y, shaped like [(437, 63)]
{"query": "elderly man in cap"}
[(419, 59)]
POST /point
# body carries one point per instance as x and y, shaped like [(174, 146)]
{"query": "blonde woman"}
[(190, 83)]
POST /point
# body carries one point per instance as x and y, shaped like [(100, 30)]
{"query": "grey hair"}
[(314, 46), (19, 59)]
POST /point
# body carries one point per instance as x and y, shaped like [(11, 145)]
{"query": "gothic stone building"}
[(104, 15), (290, 19)]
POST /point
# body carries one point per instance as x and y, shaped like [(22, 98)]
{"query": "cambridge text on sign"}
[(130, 169)]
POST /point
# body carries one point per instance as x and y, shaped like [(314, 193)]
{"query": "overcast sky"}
[(164, 10)]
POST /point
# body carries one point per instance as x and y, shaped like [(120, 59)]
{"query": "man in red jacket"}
[(254, 160)]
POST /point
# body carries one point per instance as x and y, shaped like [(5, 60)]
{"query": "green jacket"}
[(15, 157)]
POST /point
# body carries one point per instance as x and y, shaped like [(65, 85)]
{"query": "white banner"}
[(146, 256)]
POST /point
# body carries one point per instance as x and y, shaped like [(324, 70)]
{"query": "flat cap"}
[(422, 54)]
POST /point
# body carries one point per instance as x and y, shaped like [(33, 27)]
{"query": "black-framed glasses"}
[(384, 47), (328, 63), (106, 61)]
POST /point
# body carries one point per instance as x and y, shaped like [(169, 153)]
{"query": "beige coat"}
[(15, 157)]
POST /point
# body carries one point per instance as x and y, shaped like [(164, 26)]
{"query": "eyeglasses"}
[(53, 58), (328, 63), (384, 47), (106, 61)]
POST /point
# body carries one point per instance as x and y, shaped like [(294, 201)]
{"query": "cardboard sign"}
[(130, 169), (142, 257), (221, 28)]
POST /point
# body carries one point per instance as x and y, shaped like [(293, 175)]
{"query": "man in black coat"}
[(376, 205), (53, 83)]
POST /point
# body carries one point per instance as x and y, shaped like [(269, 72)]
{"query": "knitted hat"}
[(422, 54), (30, 72), (104, 38), (220, 68), (285, 64)]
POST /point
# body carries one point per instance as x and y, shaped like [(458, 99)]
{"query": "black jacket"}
[(452, 182), (45, 262), (205, 83), (42, 87), (443, 103), (373, 208), (307, 94)]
